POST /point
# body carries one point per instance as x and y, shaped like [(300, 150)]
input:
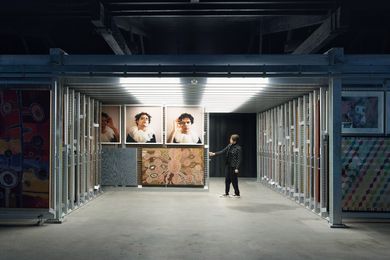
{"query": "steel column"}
[(335, 217)]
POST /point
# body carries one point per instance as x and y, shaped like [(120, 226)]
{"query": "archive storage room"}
[(124, 155)]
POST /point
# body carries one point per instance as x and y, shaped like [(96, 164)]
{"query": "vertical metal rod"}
[(295, 144), (58, 149), (303, 148), (96, 143), (207, 128), (65, 98), (72, 149), (300, 150), (290, 147), (83, 149), (88, 147), (53, 148), (335, 217), (78, 149), (258, 132), (92, 147), (315, 126), (99, 144), (311, 130)]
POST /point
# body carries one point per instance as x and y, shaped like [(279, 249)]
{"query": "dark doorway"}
[(224, 125)]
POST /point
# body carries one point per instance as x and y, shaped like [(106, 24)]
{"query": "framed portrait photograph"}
[(362, 112), (184, 125), (144, 124), (110, 125)]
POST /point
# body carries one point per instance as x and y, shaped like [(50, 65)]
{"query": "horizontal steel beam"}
[(267, 70)]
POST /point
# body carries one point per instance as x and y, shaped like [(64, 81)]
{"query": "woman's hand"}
[(211, 154)]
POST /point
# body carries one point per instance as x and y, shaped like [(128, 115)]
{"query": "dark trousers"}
[(231, 177)]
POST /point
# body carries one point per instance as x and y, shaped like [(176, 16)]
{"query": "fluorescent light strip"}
[(237, 81), (227, 94), (157, 81), (154, 90)]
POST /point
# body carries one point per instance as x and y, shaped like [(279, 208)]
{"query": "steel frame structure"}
[(288, 139)]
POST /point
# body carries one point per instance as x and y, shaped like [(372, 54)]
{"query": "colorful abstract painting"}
[(24, 148), (366, 174), (173, 166)]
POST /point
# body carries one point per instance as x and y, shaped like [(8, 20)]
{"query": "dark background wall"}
[(224, 125)]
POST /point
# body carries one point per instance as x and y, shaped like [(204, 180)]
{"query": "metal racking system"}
[(299, 135)]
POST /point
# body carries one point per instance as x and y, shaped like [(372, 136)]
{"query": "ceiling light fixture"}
[(159, 91), (228, 94)]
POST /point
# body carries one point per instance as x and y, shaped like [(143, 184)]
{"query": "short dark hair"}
[(186, 115), (138, 116), (105, 115), (235, 137)]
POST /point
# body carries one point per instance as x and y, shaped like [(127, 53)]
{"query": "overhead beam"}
[(328, 30), (109, 30), (218, 8), (288, 23)]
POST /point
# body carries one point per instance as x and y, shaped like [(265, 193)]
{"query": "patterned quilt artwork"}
[(366, 174), (173, 166)]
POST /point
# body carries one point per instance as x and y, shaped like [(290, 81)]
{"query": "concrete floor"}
[(129, 223)]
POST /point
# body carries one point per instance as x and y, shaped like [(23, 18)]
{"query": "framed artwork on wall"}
[(25, 148), (173, 166), (144, 124), (362, 112), (184, 125), (110, 126)]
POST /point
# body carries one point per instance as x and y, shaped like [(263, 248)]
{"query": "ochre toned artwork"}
[(366, 174), (24, 148), (173, 166)]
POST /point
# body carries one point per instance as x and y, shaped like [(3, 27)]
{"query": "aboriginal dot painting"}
[(366, 174), (24, 148), (173, 166)]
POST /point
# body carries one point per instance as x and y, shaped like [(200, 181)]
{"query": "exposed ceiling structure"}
[(192, 26), (178, 27)]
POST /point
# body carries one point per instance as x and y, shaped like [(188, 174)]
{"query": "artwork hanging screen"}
[(110, 126), (173, 166), (362, 112), (24, 148), (144, 124), (184, 125)]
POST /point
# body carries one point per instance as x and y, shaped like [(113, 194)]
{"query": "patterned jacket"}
[(233, 155)]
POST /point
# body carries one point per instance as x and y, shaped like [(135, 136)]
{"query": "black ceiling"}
[(192, 27)]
